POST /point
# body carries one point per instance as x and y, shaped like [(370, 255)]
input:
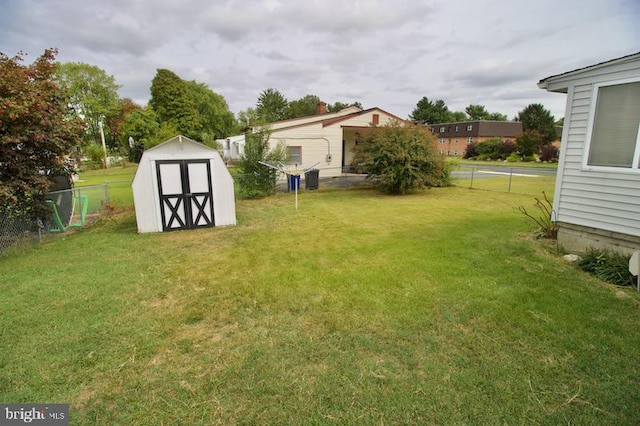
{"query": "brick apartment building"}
[(453, 138)]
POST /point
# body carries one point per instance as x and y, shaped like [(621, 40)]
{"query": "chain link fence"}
[(521, 180), (71, 208)]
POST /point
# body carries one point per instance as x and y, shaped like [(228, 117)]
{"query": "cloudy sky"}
[(385, 53)]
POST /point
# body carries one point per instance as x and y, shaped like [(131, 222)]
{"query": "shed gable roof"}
[(183, 140)]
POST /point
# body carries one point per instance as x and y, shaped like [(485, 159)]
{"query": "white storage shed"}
[(182, 184)]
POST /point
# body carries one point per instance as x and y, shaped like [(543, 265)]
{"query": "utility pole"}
[(104, 145)]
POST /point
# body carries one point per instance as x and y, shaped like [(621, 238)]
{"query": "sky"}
[(381, 53)]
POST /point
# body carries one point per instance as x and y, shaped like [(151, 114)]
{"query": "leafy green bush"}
[(491, 149), (94, 152), (401, 157), (257, 180), (471, 151), (548, 152), (514, 158), (607, 265)]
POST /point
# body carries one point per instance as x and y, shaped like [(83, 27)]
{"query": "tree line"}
[(49, 110), (434, 112)]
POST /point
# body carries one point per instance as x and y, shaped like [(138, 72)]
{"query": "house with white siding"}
[(597, 194), (326, 140), (232, 147)]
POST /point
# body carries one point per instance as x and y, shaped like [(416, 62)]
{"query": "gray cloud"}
[(386, 53)]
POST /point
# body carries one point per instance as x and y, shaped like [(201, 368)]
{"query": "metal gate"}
[(186, 199)]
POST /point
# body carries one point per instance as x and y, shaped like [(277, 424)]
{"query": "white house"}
[(233, 147), (182, 184), (597, 194), (326, 140)]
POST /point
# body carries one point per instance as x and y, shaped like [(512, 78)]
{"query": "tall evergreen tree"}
[(272, 106), (429, 112), (341, 105), (536, 118)]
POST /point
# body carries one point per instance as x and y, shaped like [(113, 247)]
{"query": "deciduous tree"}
[(142, 125), (303, 107), (117, 120), (94, 96), (171, 101), (216, 120), (38, 128), (258, 180)]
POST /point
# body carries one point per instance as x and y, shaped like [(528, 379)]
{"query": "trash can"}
[(311, 178), (293, 182)]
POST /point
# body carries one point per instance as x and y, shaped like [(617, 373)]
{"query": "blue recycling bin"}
[(293, 182)]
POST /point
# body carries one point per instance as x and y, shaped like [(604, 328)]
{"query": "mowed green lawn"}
[(359, 308)]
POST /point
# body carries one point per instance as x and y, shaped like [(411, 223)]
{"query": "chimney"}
[(321, 108)]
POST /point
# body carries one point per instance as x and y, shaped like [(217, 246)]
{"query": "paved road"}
[(483, 172)]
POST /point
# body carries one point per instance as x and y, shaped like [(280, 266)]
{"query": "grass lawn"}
[(359, 308), (477, 163), (118, 179)]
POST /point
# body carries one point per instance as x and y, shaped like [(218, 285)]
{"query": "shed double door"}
[(186, 199)]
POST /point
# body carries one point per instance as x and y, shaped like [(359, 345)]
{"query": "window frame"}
[(635, 164), (289, 148)]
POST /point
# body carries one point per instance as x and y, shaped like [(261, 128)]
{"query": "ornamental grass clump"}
[(608, 266)]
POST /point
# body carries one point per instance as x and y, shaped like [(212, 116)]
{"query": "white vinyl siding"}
[(602, 197), (615, 141), (606, 198)]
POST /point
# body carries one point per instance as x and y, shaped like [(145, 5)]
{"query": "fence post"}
[(106, 192), (471, 184)]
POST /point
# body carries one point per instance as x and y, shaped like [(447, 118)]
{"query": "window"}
[(455, 152), (469, 140), (441, 140), (456, 128), (441, 129), (295, 154), (376, 119), (614, 139), (456, 140), (469, 127)]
